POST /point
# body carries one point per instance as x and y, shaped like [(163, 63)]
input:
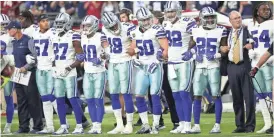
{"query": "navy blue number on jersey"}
[(90, 51), (42, 46), (264, 37), (174, 38), (60, 46), (145, 47), (206, 46), (115, 45)]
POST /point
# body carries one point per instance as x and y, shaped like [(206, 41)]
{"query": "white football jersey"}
[(263, 37), (44, 48), (208, 42), (178, 35), (148, 43), (7, 60), (30, 30), (119, 44), (5, 39), (93, 49), (64, 50)]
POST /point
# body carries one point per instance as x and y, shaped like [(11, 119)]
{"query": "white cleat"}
[(95, 131), (187, 128), (216, 129), (154, 130), (128, 129), (178, 130), (116, 130), (78, 130), (263, 130), (6, 130), (196, 129), (61, 131), (46, 131)]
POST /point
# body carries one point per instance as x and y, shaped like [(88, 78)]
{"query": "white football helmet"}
[(111, 23), (89, 25), (208, 18), (62, 22), (144, 17), (4, 21), (172, 6)]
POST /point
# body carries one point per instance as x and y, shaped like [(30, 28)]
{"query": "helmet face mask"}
[(146, 23), (208, 18), (62, 22), (4, 21), (89, 25), (172, 10), (145, 18), (111, 23)]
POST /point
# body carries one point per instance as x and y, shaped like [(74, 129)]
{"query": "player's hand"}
[(66, 71), (104, 56), (137, 64), (199, 58), (23, 70), (248, 46), (96, 61), (130, 51), (187, 56), (224, 49), (30, 59), (253, 72), (252, 54)]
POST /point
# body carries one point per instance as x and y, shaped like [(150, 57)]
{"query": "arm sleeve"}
[(76, 37), (129, 32), (190, 25), (161, 33), (103, 37), (33, 54)]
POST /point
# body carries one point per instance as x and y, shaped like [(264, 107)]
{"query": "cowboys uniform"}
[(263, 37), (44, 79), (179, 71), (95, 71), (119, 69), (150, 72), (7, 59), (207, 38), (65, 77)]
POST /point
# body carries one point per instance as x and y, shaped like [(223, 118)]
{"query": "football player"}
[(7, 60), (150, 42), (119, 70), (208, 37), (94, 81), (262, 34), (45, 56), (180, 69), (68, 54)]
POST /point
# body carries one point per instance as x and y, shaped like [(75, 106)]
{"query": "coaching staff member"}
[(29, 101), (238, 68)]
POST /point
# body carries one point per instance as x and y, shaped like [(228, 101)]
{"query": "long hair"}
[(255, 10), (29, 18)]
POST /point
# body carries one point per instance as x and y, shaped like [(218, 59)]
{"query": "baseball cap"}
[(42, 16), (3, 49), (14, 24)]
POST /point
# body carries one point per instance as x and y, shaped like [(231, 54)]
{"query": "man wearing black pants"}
[(170, 99), (29, 101), (238, 68)]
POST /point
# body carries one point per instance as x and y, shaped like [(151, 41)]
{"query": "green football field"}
[(207, 122)]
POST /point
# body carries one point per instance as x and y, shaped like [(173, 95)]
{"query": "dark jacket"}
[(247, 61)]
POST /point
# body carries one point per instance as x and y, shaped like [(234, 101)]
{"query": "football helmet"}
[(172, 10), (144, 17), (4, 20), (89, 25), (208, 18), (111, 23), (62, 22)]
